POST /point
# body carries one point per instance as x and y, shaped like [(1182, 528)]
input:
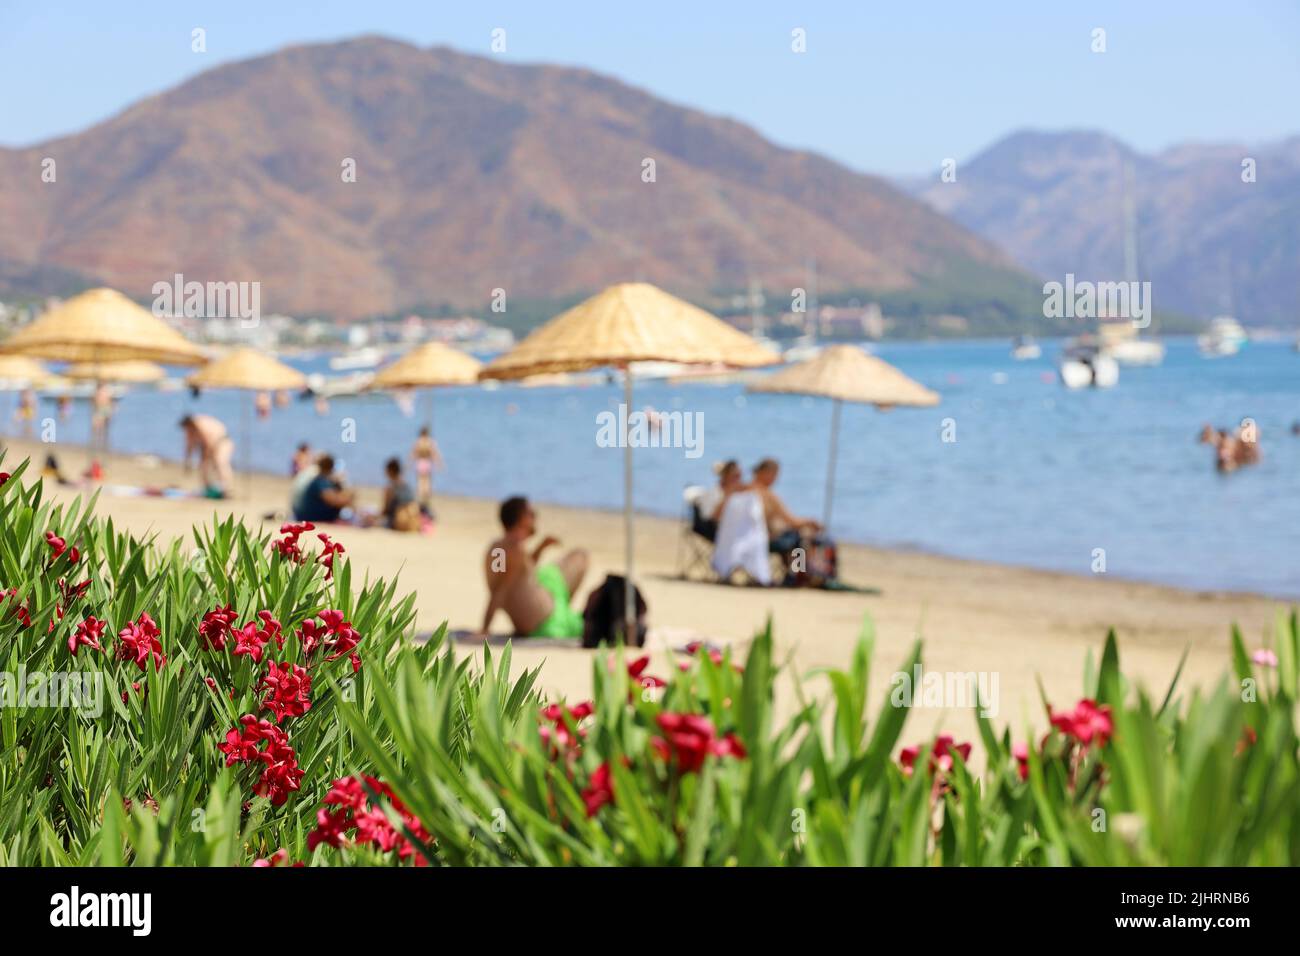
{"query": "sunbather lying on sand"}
[(538, 599)]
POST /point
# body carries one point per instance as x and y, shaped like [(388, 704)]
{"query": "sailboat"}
[(1119, 337)]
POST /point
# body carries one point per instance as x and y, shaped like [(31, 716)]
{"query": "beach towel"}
[(741, 541)]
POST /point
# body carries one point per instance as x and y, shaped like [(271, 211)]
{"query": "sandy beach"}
[(1014, 623)]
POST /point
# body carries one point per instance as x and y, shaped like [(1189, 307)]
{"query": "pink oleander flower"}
[(138, 641), (940, 760), (563, 735), (278, 858), (1264, 657), (1086, 724), (87, 634)]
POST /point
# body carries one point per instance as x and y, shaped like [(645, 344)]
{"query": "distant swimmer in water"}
[(1231, 451)]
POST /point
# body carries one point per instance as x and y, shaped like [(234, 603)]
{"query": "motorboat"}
[(1084, 364), (1224, 337)]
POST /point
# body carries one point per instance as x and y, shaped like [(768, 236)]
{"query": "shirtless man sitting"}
[(538, 598)]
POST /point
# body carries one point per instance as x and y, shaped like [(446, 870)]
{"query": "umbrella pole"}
[(830, 465), (629, 592), (248, 450)]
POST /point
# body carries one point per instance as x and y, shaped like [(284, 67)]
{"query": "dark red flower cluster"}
[(138, 641), (252, 638), (87, 634), (599, 790), (1087, 724), (337, 636), (561, 732), (326, 558), (59, 547), (358, 814), (281, 774), (18, 609), (217, 626), (689, 738), (940, 756), (1021, 753), (288, 687), (288, 547), (636, 671), (4, 478)]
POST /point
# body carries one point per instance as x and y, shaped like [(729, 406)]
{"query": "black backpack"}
[(603, 617)]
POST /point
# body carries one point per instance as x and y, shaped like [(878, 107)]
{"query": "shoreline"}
[(882, 547), (1024, 625)]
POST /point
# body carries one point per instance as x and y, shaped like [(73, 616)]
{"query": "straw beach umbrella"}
[(102, 325), (845, 373), (432, 365), (627, 323), (19, 372), (248, 370), (128, 372)]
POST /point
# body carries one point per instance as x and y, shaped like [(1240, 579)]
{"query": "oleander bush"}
[(233, 700)]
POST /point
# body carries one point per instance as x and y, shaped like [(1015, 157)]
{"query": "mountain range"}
[(471, 175), (1209, 240)]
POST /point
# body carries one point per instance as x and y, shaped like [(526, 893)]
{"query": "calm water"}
[(1037, 476)]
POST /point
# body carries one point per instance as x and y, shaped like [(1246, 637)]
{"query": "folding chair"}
[(695, 543)]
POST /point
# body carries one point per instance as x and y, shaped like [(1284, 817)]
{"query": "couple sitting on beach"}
[(747, 522), (319, 496)]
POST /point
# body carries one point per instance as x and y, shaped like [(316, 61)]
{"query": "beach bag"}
[(603, 617)]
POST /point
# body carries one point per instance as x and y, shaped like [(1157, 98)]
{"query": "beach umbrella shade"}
[(628, 323), (845, 373), (102, 325), (132, 372), (249, 370)]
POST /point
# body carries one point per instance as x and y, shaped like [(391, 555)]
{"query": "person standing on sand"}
[(538, 598), (426, 457), (207, 437), (25, 413)]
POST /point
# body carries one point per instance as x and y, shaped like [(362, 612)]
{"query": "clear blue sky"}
[(885, 87)]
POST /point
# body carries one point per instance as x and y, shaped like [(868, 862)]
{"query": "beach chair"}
[(695, 544)]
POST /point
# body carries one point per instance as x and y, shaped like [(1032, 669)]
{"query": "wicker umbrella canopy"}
[(102, 325), (249, 369), (129, 372), (626, 323), (629, 322), (19, 372), (429, 366), (845, 373)]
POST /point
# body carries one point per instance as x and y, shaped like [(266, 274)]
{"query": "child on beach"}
[(426, 457)]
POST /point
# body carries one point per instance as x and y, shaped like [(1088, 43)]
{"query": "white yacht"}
[(1224, 337), (1084, 364)]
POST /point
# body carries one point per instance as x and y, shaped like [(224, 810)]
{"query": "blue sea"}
[(1037, 476)]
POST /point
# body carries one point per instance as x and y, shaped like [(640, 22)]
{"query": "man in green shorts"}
[(537, 598)]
